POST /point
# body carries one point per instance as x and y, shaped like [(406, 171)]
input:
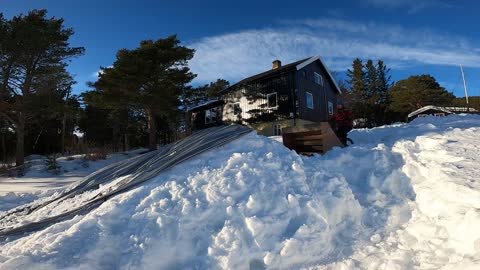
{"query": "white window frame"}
[(320, 78), (307, 94), (330, 108), (233, 108), (212, 119), (276, 100)]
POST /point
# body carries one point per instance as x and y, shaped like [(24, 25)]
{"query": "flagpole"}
[(465, 87)]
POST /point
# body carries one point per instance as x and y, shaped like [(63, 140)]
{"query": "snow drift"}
[(405, 196)]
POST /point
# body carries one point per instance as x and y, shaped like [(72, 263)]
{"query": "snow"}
[(38, 181), (426, 108), (405, 196)]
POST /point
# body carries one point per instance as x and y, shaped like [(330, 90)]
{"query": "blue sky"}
[(237, 39)]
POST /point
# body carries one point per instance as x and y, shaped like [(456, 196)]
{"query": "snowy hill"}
[(404, 196)]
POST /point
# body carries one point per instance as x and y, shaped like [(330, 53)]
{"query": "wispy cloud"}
[(412, 6), (233, 56)]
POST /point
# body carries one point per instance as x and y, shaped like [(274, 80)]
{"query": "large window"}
[(236, 109), (272, 100), (309, 98), (330, 108), (211, 116), (318, 78)]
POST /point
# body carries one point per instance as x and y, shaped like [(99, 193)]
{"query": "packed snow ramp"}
[(132, 172)]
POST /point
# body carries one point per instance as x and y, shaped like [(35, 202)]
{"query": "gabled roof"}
[(426, 108), (286, 68), (282, 69), (315, 58)]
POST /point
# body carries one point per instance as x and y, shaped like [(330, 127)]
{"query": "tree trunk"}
[(4, 148), (20, 151), (152, 131), (64, 124), (125, 142)]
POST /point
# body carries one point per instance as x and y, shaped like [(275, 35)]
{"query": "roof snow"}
[(426, 108)]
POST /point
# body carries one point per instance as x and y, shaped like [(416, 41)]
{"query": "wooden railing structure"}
[(310, 139)]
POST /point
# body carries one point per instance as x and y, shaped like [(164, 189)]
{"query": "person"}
[(342, 123)]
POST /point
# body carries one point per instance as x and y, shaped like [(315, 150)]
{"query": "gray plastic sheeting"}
[(136, 170)]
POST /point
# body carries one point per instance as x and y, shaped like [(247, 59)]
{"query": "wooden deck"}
[(310, 139)]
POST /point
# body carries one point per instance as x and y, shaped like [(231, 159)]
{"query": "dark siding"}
[(321, 94)]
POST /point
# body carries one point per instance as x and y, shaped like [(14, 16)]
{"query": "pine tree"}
[(357, 77), (358, 92), (383, 82), (150, 78), (33, 49), (368, 95), (214, 88), (370, 102), (371, 79), (416, 92)]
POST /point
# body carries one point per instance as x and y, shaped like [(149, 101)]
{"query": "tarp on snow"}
[(136, 170)]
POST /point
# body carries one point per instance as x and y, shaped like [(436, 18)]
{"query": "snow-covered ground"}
[(405, 196), (39, 181)]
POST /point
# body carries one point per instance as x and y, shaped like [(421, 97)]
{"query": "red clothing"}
[(343, 118)]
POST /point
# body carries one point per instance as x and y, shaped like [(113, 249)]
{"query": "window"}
[(318, 78), (439, 114), (272, 100), (277, 130), (330, 108), (309, 97), (236, 109), (210, 116)]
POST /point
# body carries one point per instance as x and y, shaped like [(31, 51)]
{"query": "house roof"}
[(286, 68), (461, 109), (208, 104), (426, 108), (283, 68)]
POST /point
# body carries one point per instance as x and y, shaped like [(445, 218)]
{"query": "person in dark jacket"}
[(342, 123)]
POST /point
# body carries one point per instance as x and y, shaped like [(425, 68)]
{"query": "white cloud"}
[(412, 6), (97, 73), (237, 55)]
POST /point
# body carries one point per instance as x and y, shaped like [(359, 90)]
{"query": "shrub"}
[(52, 164)]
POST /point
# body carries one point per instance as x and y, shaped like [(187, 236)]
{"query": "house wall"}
[(321, 94), (245, 106), (252, 99)]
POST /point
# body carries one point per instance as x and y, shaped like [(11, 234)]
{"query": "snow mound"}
[(404, 196)]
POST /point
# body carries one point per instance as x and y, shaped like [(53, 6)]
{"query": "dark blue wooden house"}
[(295, 94)]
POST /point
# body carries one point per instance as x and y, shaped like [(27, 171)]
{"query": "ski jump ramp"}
[(132, 172)]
